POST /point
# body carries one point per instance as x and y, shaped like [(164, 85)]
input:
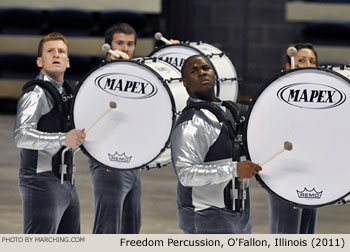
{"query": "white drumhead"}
[(131, 135), (309, 108), (176, 54)]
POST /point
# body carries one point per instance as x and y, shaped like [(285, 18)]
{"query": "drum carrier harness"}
[(235, 193), (58, 120)]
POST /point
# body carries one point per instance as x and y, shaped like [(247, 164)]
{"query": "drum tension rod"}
[(172, 79), (215, 54), (226, 79)]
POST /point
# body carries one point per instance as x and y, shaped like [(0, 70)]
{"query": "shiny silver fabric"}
[(30, 108), (190, 143)]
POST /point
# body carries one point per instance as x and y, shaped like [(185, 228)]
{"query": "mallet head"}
[(112, 104), (288, 146)]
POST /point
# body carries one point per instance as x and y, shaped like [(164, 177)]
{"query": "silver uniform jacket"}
[(190, 143), (30, 108)]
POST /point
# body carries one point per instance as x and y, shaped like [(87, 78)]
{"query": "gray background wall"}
[(253, 33)]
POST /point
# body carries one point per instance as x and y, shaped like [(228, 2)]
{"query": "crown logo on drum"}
[(119, 158), (309, 194)]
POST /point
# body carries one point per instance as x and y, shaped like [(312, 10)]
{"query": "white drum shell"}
[(315, 172), (343, 70), (176, 55), (172, 76)]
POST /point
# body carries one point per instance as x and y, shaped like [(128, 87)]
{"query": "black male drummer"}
[(285, 218), (42, 131), (202, 154)]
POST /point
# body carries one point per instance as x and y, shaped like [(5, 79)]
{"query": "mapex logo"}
[(173, 59), (125, 85), (119, 158), (311, 95), (309, 194)]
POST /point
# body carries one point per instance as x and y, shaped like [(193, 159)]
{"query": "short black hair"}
[(183, 73), (119, 28), (299, 46)]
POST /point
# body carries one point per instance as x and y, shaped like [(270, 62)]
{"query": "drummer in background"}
[(49, 207), (122, 39), (306, 56), (117, 193), (285, 218), (201, 152)]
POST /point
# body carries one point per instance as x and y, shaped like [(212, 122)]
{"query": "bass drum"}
[(172, 77), (343, 70), (129, 136), (307, 107), (176, 54)]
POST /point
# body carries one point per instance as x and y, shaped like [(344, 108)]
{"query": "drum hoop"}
[(173, 105), (245, 143), (262, 184), (187, 44)]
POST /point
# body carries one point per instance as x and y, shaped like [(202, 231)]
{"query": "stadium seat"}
[(16, 65), (136, 19), (327, 33), (17, 20), (71, 21)]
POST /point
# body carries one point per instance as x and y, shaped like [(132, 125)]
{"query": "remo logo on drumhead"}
[(311, 95), (307, 107), (126, 85)]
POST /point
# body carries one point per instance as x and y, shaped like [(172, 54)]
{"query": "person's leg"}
[(186, 219), (43, 205), (308, 221), (110, 187), (131, 220), (70, 222), (284, 218)]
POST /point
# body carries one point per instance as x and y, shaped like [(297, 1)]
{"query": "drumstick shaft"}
[(286, 146), (98, 119), (272, 157), (269, 159)]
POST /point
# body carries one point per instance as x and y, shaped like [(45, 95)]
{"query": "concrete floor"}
[(158, 196)]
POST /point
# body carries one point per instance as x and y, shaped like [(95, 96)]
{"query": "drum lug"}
[(242, 119)]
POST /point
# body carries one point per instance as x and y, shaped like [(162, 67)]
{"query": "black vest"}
[(57, 120)]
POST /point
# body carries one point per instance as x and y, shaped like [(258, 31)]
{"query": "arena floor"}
[(158, 197)]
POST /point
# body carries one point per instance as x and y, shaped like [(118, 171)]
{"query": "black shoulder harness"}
[(236, 127)]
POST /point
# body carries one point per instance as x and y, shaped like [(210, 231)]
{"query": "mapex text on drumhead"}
[(126, 85), (174, 59), (311, 95)]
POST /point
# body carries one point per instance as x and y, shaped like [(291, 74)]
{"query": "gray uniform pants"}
[(117, 199), (215, 220), (286, 219), (48, 206)]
